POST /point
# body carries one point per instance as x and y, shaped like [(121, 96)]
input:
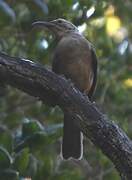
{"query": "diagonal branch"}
[(52, 89)]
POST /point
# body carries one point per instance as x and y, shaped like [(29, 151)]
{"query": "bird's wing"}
[(94, 66)]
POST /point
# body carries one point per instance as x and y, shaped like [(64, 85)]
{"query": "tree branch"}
[(52, 89)]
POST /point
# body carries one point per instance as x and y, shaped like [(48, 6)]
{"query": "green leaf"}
[(5, 159), (6, 139), (35, 141), (21, 161), (41, 4), (9, 174), (31, 127), (32, 166), (7, 9), (52, 129)]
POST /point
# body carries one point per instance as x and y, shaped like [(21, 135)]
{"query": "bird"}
[(74, 57)]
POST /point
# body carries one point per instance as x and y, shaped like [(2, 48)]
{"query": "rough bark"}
[(52, 89)]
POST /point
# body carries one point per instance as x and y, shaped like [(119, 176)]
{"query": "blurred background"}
[(31, 132)]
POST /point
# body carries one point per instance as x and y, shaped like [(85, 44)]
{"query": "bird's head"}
[(59, 27)]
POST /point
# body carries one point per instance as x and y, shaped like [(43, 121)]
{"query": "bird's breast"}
[(72, 58)]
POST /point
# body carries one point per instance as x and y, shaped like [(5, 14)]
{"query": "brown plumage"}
[(74, 57)]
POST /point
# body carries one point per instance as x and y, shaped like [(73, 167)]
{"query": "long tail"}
[(72, 146)]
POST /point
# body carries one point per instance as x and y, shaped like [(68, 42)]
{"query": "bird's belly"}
[(80, 74)]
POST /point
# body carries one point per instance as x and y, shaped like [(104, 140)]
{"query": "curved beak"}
[(42, 24)]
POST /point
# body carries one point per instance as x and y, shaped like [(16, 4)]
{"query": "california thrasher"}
[(75, 58)]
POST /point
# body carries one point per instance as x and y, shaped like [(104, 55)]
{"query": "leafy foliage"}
[(31, 132)]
